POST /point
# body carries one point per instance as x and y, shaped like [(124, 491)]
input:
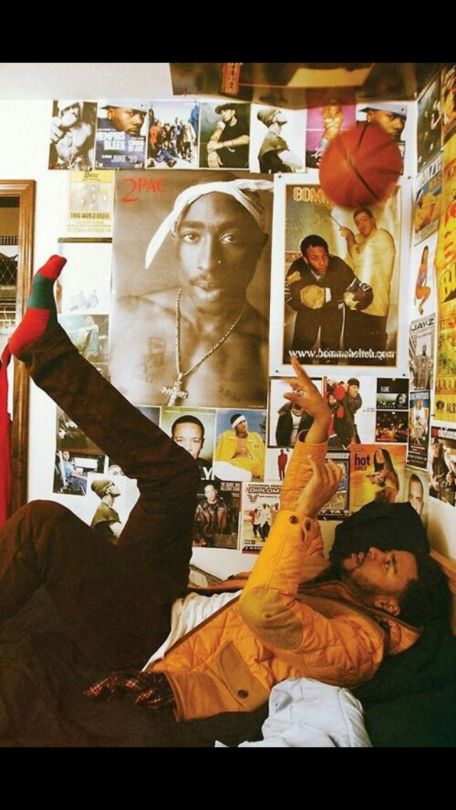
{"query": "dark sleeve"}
[(362, 292), (282, 434), (102, 528), (272, 162), (356, 403), (294, 283)]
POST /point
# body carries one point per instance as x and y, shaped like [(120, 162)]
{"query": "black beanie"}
[(385, 526)]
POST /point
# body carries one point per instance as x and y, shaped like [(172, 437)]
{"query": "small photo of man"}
[(286, 419), (416, 488), (277, 139), (192, 429), (72, 135), (121, 134), (225, 136), (110, 499), (240, 449), (277, 460), (217, 515)]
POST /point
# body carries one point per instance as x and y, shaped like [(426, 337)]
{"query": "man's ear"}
[(387, 603), (304, 258)]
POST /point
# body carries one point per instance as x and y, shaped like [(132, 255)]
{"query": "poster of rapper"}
[(191, 268), (337, 273)]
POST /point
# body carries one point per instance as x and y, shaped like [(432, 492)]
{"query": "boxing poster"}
[(336, 280)]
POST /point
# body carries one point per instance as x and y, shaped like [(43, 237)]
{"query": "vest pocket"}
[(247, 690)]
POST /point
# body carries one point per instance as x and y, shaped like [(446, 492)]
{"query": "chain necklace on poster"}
[(175, 391)]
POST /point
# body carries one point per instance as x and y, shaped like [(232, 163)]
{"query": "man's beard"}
[(356, 578)]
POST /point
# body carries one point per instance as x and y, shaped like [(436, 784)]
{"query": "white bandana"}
[(235, 188)]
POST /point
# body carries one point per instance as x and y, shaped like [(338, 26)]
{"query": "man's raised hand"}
[(305, 394), (319, 489)]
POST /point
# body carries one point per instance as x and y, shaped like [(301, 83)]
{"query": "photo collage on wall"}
[(188, 133), (428, 458), (207, 386), (185, 334)]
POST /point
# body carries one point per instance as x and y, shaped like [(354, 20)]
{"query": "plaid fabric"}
[(150, 689)]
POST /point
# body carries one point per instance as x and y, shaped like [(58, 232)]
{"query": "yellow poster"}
[(376, 474), (445, 264)]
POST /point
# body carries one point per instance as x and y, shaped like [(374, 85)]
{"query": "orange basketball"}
[(360, 166)]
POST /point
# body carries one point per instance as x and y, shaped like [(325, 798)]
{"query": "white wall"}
[(23, 156)]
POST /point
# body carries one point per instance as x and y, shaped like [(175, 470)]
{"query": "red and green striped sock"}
[(41, 310)]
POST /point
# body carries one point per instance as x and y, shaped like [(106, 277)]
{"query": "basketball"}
[(360, 166)]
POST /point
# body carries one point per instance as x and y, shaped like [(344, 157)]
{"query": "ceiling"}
[(87, 80), (305, 84), (53, 80)]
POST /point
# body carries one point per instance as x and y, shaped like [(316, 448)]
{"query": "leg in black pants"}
[(115, 600)]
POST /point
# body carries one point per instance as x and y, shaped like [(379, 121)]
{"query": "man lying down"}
[(188, 659)]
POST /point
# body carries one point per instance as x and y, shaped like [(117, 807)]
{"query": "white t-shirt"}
[(186, 614), (373, 263), (295, 429)]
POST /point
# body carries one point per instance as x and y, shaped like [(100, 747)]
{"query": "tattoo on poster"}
[(224, 135)]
